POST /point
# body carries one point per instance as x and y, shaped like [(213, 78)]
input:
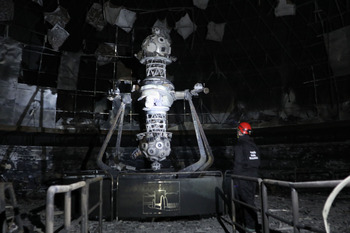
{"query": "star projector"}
[(159, 95)]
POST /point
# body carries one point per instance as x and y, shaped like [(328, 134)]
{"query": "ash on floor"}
[(204, 225), (310, 212), (311, 205)]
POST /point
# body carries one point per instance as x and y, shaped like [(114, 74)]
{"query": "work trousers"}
[(245, 192)]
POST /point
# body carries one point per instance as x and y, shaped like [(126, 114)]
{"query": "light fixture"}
[(215, 31), (95, 17), (185, 26), (119, 16), (57, 36), (284, 8), (201, 4), (126, 19), (60, 16)]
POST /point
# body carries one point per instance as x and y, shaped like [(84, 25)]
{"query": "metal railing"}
[(267, 213), (85, 210), (233, 200), (293, 186)]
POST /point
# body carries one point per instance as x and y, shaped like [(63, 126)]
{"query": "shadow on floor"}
[(227, 226)]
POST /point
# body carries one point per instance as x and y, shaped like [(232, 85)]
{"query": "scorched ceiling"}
[(269, 62)]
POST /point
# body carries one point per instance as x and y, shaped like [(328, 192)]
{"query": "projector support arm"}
[(206, 156), (119, 116)]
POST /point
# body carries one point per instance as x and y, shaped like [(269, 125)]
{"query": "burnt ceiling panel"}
[(262, 59)]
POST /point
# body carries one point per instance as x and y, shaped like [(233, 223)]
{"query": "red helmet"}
[(245, 128)]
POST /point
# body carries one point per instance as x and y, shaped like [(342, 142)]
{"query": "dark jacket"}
[(246, 157)]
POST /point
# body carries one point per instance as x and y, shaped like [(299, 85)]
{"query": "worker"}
[(246, 163)]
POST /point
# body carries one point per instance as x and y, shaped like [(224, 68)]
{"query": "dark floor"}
[(311, 205)]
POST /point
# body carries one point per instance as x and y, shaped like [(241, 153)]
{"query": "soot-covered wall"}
[(32, 167)]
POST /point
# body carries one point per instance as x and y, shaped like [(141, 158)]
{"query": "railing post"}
[(84, 208), (49, 209), (67, 205), (2, 204), (100, 207), (295, 209), (233, 207), (264, 208), (67, 210)]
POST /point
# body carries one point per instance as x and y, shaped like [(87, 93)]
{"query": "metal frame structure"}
[(266, 213), (233, 200), (206, 156), (85, 210)]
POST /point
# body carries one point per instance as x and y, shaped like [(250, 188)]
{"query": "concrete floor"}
[(311, 205)]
